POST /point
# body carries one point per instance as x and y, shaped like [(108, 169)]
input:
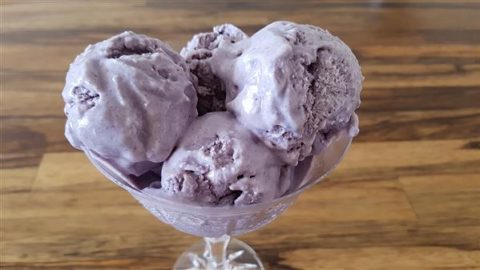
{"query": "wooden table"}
[(407, 196)]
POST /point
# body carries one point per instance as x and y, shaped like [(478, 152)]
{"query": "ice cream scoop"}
[(219, 162), (128, 99), (290, 84), (202, 53)]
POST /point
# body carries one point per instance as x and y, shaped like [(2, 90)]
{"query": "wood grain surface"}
[(407, 196)]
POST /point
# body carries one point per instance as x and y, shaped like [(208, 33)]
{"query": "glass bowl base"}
[(222, 253)]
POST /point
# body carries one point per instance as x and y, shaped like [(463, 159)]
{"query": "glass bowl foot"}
[(222, 253)]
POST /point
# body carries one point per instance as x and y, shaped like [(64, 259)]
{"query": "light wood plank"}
[(17, 180), (424, 258), (439, 197)]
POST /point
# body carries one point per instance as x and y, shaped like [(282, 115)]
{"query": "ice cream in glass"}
[(221, 138)]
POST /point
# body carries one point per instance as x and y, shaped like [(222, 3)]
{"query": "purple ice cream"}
[(219, 162), (202, 54), (128, 99), (293, 85), (267, 103)]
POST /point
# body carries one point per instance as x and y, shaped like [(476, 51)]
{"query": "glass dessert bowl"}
[(209, 140), (218, 225)]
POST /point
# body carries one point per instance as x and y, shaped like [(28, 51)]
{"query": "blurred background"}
[(407, 196)]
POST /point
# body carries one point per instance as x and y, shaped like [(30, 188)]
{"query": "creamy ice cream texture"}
[(290, 84), (218, 161), (129, 99), (267, 102), (203, 54), (295, 83)]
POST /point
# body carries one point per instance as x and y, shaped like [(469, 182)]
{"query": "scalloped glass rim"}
[(328, 159)]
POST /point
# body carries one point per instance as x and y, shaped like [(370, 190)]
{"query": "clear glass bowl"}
[(217, 224)]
